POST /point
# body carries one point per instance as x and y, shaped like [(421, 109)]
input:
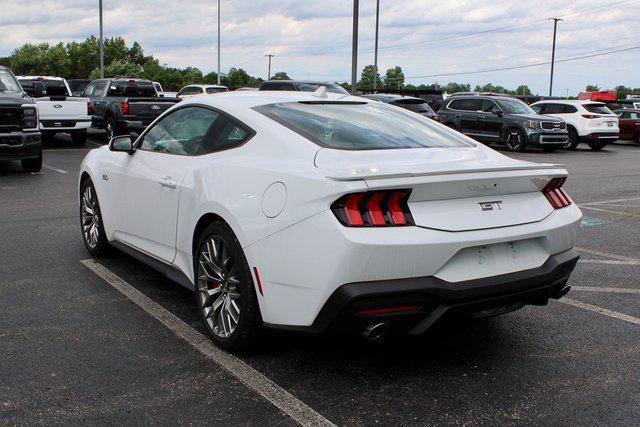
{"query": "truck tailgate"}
[(62, 109)]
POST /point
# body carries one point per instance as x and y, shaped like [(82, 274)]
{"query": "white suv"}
[(587, 121)]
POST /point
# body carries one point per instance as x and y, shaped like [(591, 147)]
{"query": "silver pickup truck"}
[(59, 110)]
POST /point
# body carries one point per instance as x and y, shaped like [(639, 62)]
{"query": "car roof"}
[(302, 82), (568, 101), (40, 78), (124, 79), (206, 86)]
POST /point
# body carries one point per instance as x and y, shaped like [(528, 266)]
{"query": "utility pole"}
[(375, 55), (553, 53), (218, 42), (354, 49), (269, 55), (101, 42)]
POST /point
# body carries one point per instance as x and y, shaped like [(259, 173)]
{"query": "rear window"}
[(216, 89), (359, 126), (467, 104), (54, 87), (597, 108), (312, 87), (414, 105), (132, 89)]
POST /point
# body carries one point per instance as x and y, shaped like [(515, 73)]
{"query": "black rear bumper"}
[(424, 300)]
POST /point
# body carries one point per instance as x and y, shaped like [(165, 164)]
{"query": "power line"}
[(517, 67)]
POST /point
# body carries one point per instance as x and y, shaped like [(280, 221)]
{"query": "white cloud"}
[(314, 38)]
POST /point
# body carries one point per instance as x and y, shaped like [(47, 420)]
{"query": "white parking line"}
[(54, 169), (280, 398), (610, 211), (608, 202), (607, 261), (602, 289), (600, 310), (609, 255)]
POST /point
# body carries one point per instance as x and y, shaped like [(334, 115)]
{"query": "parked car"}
[(59, 110), (196, 90), (601, 95), (123, 105), (410, 103), (587, 121), (19, 134), (78, 86), (247, 89), (629, 123), (292, 85), (497, 118), (324, 212)]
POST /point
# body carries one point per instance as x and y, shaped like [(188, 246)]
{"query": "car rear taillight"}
[(555, 194), (590, 116), (89, 109), (386, 208), (124, 107)]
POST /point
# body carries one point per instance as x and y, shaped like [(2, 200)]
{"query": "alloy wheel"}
[(514, 140), (90, 217), (218, 287)]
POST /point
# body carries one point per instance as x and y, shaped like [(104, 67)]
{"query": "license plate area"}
[(494, 259)]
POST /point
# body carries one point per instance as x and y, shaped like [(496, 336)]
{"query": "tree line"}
[(81, 60)]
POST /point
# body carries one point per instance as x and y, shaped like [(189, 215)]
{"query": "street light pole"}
[(218, 42), (269, 55), (375, 54), (354, 48), (101, 42), (553, 53)]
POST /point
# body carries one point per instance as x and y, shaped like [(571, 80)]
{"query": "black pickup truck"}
[(121, 106), (19, 135)]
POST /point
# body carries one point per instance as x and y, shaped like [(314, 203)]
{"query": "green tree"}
[(394, 78), (523, 90), (280, 75), (366, 78), (592, 88), (118, 69), (456, 87)]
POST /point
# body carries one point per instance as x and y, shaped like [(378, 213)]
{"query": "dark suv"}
[(19, 135), (495, 118), (410, 103)]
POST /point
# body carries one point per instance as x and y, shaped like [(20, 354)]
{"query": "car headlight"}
[(29, 118), (532, 124)]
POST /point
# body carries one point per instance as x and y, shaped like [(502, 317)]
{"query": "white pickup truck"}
[(59, 110)]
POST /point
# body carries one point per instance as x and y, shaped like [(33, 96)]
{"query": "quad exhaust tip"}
[(375, 331), (562, 292)]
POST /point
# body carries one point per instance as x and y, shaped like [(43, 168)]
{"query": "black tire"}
[(637, 140), (79, 137), (96, 242), (550, 148), (33, 165), (515, 140), (597, 145), (111, 128), (232, 289), (573, 140)]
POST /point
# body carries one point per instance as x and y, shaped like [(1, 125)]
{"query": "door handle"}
[(168, 182), (458, 115)]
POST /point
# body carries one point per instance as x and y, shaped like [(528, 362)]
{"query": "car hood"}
[(14, 99)]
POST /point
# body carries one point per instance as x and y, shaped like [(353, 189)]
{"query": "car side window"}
[(99, 90), (553, 109), (569, 109), (538, 108), (88, 92), (180, 132), (225, 133), (488, 106), (466, 104), (634, 116), (623, 115)]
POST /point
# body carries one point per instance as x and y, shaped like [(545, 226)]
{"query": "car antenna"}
[(321, 92)]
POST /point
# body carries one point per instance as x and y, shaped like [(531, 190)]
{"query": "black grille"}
[(553, 125), (58, 123), (10, 119)]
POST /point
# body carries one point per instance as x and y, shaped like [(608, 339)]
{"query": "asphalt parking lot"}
[(76, 350)]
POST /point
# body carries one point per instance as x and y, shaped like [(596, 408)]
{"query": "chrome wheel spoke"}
[(89, 216), (219, 291)]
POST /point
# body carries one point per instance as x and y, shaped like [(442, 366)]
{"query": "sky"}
[(430, 40)]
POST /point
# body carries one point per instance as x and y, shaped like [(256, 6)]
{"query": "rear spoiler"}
[(355, 174)]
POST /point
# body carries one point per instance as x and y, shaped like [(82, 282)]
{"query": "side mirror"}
[(122, 143), (497, 113)]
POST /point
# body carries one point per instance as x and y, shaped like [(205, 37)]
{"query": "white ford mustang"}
[(321, 212)]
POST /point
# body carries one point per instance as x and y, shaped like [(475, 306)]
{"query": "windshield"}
[(8, 82), (359, 125), (415, 105), (55, 87), (216, 90), (514, 106), (312, 87), (132, 89)]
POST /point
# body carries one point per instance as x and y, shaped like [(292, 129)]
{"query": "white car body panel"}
[(288, 231)]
